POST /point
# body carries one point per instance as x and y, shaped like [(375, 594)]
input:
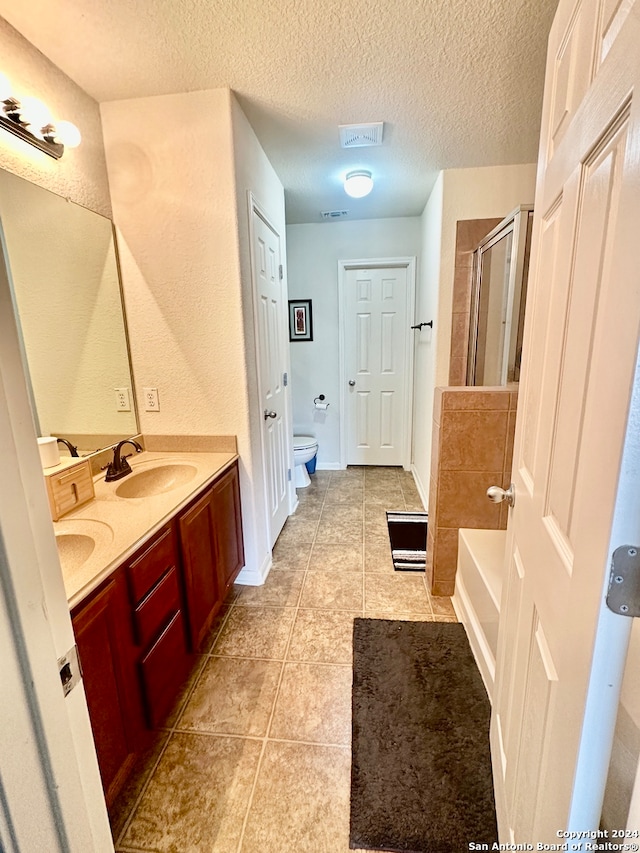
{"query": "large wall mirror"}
[(66, 290)]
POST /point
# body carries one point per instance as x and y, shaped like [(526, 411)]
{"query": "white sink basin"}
[(156, 480)]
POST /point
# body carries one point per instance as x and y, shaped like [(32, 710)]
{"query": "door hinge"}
[(285, 379), (289, 474), (280, 272), (623, 594), (70, 670)]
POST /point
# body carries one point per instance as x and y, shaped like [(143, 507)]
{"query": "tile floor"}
[(256, 756)]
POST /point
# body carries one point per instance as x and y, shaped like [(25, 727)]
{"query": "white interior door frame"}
[(51, 794), (408, 263), (256, 209)]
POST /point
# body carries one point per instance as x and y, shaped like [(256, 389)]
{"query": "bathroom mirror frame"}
[(517, 224), (78, 239)]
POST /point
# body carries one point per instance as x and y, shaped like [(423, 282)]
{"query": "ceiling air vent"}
[(334, 214), (360, 135)]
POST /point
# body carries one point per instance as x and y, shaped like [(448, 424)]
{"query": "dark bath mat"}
[(421, 767), (408, 539)]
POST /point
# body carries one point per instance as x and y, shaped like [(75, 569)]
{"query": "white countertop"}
[(119, 525)]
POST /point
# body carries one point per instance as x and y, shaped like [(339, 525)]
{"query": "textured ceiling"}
[(457, 82)]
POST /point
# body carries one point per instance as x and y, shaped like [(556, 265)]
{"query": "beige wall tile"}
[(508, 451), (446, 554), (459, 335), (481, 398), (462, 290), (437, 403), (473, 441), (458, 371), (462, 500)]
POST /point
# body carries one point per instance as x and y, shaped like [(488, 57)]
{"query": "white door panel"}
[(271, 368), (581, 342), (375, 327)]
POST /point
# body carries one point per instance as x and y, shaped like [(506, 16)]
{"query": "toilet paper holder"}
[(319, 402)]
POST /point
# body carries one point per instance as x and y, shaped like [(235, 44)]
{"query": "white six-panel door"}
[(376, 320), (270, 302), (579, 357)]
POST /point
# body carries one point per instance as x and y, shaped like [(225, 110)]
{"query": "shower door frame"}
[(517, 223)]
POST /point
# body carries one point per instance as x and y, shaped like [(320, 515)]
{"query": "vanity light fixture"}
[(358, 184), (30, 120)]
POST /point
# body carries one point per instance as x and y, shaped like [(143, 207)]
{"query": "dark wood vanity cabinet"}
[(159, 624), (136, 632), (212, 551), (104, 641)]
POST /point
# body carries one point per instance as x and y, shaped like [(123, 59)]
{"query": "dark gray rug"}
[(421, 768)]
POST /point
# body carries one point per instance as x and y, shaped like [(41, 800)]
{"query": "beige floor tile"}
[(313, 704), (216, 627), (391, 497), (348, 491), (327, 557), (185, 692), (351, 473), (256, 632), (350, 514), (398, 593), (336, 532), (291, 557), (377, 556), (121, 808), (442, 606), (197, 798), (280, 589), (332, 591), (232, 696), (298, 530), (323, 636), (301, 801)]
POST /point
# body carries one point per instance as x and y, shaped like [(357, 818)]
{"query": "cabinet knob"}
[(268, 414)]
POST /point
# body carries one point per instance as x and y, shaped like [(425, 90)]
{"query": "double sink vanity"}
[(147, 563)]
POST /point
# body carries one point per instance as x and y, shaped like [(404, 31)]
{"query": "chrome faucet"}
[(119, 467), (73, 450)]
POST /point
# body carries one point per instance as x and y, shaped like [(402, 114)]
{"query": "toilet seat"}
[(304, 442)]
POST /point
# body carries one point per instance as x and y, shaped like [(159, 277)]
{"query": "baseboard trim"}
[(329, 466), (424, 495), (255, 577)]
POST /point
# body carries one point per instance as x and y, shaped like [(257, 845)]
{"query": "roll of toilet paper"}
[(320, 405), (49, 453)]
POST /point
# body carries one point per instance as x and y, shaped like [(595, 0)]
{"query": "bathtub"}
[(476, 598)]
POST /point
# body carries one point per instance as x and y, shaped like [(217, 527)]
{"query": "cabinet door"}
[(227, 520), (202, 588), (99, 628)]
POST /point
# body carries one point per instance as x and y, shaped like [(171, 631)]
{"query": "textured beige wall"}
[(81, 173), (173, 199)]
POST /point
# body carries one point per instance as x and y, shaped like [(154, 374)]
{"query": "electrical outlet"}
[(151, 402), (123, 401)]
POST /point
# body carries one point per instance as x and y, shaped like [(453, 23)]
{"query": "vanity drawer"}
[(154, 610), (163, 670), (150, 566)]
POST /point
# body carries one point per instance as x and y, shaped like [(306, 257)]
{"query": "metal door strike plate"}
[(69, 669), (623, 595)]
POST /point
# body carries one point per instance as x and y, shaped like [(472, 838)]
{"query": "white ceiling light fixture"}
[(358, 184)]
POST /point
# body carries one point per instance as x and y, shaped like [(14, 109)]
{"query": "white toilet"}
[(305, 448)]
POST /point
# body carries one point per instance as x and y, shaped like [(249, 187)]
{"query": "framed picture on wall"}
[(300, 324)]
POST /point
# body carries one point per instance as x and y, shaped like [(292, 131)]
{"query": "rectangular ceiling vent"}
[(361, 135), (334, 214)]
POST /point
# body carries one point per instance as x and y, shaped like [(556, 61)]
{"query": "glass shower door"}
[(501, 264)]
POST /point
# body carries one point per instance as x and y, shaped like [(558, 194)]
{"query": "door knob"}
[(268, 414), (497, 495), (352, 382)]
